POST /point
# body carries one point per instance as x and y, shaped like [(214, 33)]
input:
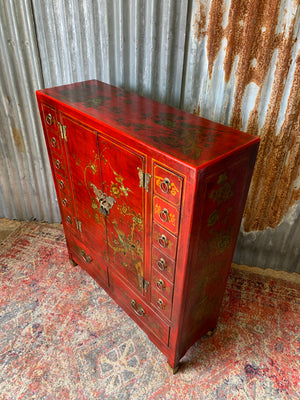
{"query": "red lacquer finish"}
[(151, 200)]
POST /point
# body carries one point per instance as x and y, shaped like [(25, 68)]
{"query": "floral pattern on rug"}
[(62, 337)]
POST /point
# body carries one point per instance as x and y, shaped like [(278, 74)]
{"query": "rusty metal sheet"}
[(243, 69)]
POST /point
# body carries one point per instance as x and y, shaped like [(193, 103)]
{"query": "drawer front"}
[(138, 310), (87, 260), (166, 214), (164, 241), (50, 118), (63, 186), (55, 144), (167, 184), (59, 164), (162, 263), (49, 115), (162, 285), (163, 305)]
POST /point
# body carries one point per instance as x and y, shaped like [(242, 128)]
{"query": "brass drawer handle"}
[(161, 263), (53, 142), (87, 258), (61, 184), (160, 304), (65, 202), (165, 185), (164, 215), (138, 309), (160, 284), (69, 220), (57, 164), (49, 119), (163, 241)]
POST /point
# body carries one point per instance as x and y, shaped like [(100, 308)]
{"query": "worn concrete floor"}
[(8, 226)]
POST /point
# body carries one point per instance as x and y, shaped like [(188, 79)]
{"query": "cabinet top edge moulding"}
[(192, 140)]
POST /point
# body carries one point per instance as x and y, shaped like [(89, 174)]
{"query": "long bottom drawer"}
[(138, 310)]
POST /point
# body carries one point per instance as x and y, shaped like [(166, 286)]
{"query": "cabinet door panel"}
[(83, 158), (120, 168)]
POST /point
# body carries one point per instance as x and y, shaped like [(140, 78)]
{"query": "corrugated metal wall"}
[(26, 189), (232, 62)]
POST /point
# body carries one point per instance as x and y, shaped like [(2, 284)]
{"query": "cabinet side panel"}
[(218, 212)]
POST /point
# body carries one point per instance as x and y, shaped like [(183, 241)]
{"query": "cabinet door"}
[(120, 168), (83, 158)]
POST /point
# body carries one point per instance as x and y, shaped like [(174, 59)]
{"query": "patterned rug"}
[(62, 337)]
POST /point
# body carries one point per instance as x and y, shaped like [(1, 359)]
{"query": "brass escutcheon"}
[(160, 284), (161, 263), (138, 309), (163, 241), (49, 119), (164, 215), (165, 185)]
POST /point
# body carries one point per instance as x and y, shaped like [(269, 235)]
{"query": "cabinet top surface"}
[(189, 138)]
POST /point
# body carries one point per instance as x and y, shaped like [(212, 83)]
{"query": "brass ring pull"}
[(160, 304), (164, 215), (160, 284), (49, 119), (53, 142), (165, 185), (163, 241), (69, 220), (87, 258), (57, 164), (138, 309), (65, 202), (61, 184), (161, 263)]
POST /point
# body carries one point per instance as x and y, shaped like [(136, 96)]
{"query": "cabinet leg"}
[(211, 332), (173, 370), (72, 262)]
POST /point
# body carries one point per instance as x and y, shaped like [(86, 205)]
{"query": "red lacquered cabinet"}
[(151, 200)]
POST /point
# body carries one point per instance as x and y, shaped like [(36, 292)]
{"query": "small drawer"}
[(167, 184), (63, 187), (138, 309), (86, 259), (163, 264), (166, 215), (162, 285), (59, 165), (68, 220), (161, 303), (49, 115), (164, 241), (55, 144), (66, 205)]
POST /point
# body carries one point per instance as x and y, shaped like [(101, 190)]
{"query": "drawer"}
[(67, 219), (54, 143), (163, 305), (164, 264), (63, 186), (59, 164), (167, 184), (166, 214), (164, 241), (50, 119), (66, 205), (162, 285), (138, 309), (86, 259)]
